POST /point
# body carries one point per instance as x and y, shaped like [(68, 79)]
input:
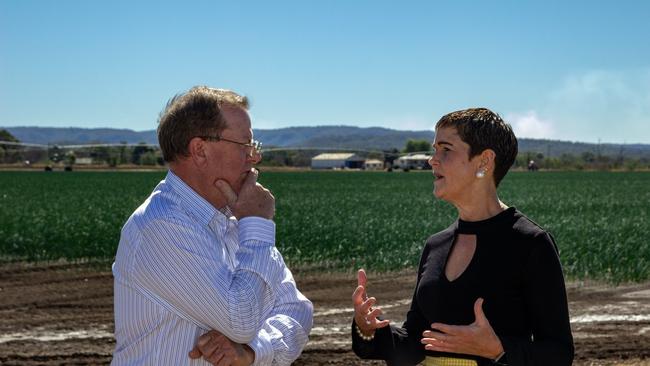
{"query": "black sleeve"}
[(546, 305), (399, 346)]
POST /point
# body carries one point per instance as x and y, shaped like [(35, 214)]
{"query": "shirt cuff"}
[(256, 229), (263, 349)]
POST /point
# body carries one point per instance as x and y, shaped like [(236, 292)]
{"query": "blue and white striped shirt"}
[(183, 267)]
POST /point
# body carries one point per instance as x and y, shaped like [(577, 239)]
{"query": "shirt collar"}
[(225, 217), (192, 202)]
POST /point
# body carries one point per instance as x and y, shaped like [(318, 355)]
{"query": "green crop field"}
[(343, 220)]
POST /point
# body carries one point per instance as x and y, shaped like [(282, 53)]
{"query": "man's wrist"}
[(249, 354), (262, 348), (257, 229)]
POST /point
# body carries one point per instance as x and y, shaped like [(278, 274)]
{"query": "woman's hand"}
[(476, 339), (364, 314)]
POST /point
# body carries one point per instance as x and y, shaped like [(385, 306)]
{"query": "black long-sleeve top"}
[(515, 269)]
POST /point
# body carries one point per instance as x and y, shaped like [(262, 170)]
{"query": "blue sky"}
[(577, 71)]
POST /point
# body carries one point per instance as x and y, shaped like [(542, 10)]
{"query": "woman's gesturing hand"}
[(364, 314), (477, 338)]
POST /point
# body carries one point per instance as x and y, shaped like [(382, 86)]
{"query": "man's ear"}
[(197, 151)]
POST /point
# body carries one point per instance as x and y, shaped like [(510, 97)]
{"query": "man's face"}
[(227, 160)]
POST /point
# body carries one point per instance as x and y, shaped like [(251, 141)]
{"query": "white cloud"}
[(530, 125), (612, 105)]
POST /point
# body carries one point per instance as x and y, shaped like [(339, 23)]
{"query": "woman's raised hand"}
[(365, 315)]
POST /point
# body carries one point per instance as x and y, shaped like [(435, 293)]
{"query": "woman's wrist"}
[(365, 334), (501, 360), (497, 352), (366, 337)]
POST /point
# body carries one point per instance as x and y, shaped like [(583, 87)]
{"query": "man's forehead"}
[(234, 112), (236, 118), (239, 131)]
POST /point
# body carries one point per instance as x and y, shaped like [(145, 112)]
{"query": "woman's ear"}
[(487, 159)]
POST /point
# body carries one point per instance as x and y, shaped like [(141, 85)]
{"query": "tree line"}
[(146, 155), (123, 154)]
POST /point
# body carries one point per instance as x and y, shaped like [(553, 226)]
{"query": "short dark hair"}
[(196, 112), (483, 129)]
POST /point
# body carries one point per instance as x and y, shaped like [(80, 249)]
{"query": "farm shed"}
[(83, 161), (415, 161), (337, 161), (373, 164)]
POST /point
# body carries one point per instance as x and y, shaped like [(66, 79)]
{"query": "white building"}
[(373, 164), (83, 161), (337, 161), (415, 161)]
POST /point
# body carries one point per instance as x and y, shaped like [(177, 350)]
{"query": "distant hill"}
[(340, 137), (320, 136), (74, 135), (555, 148), (327, 136)]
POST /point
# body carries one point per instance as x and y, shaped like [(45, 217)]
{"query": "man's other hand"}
[(253, 198), (217, 349)]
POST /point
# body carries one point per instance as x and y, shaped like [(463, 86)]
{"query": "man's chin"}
[(237, 183), (236, 186), (237, 189)]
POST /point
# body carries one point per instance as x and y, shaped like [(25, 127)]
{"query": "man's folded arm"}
[(285, 332), (179, 266)]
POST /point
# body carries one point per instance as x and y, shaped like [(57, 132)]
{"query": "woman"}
[(490, 288)]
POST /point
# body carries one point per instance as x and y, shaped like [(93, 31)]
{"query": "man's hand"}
[(364, 315), (477, 338), (217, 349), (253, 198)]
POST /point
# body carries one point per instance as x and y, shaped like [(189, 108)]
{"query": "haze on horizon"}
[(576, 71)]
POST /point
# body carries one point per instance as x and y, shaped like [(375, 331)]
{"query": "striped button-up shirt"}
[(183, 267)]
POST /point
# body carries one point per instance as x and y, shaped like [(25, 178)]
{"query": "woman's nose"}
[(433, 160)]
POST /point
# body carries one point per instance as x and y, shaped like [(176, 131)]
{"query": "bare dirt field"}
[(62, 314)]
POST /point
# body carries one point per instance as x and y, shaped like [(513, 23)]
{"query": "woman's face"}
[(455, 173)]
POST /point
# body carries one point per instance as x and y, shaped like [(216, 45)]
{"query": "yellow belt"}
[(448, 361)]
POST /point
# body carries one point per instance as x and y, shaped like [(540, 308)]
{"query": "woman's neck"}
[(480, 207)]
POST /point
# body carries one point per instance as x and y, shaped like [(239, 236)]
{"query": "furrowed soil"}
[(62, 314)]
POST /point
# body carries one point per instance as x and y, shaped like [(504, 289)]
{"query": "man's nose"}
[(255, 157)]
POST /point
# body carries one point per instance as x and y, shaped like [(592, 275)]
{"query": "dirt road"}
[(62, 314)]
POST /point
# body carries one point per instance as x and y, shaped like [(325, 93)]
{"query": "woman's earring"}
[(481, 173)]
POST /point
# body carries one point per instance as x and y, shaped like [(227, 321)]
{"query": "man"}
[(199, 254)]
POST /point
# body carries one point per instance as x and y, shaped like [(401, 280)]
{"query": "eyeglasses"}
[(254, 145)]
